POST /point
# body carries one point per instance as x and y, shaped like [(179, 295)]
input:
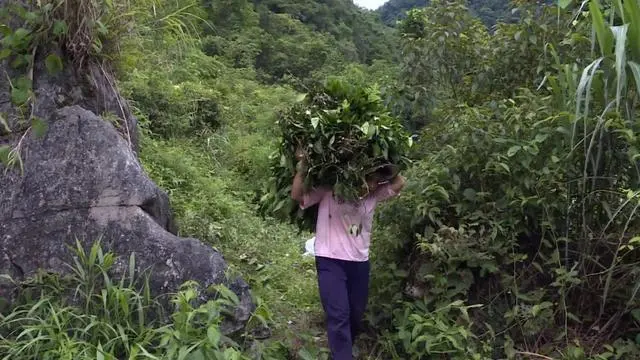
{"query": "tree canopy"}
[(489, 11)]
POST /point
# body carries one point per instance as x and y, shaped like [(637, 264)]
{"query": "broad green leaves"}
[(5, 152), (21, 91), (60, 28), (603, 32), (346, 131), (4, 53), (53, 64)]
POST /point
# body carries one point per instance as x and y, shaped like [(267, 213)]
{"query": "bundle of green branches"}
[(346, 133)]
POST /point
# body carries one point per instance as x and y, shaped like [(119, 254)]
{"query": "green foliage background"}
[(517, 234)]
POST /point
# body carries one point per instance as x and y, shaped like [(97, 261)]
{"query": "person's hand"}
[(300, 154)]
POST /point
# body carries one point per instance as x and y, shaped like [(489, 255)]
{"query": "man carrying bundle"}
[(343, 232)]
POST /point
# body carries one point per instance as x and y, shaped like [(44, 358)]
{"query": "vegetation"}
[(346, 133), (112, 318), (516, 236), (489, 11)]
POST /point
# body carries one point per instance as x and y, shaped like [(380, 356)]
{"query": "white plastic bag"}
[(309, 247)]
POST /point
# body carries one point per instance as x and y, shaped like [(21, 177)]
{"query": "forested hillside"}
[(489, 11), (516, 236), (296, 39)]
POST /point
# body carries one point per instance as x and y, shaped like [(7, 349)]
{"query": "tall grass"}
[(90, 315), (606, 104), (91, 30)]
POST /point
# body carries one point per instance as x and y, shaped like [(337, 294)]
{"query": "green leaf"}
[(5, 53), (365, 127), (20, 91), (54, 64), (563, 4), (60, 28), (39, 127), (603, 33), (227, 293), (5, 152), (469, 194), (213, 334), (199, 355), (541, 137), (18, 61), (5, 30), (99, 352), (19, 96), (635, 70), (20, 34), (513, 150), (315, 121), (317, 147), (279, 205), (620, 35), (304, 354), (632, 11)]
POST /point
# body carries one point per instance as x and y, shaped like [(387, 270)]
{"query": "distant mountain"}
[(490, 11), (394, 10), (352, 26)]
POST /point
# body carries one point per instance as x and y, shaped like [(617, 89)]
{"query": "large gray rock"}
[(83, 180)]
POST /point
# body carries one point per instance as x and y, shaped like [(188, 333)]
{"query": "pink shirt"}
[(343, 229)]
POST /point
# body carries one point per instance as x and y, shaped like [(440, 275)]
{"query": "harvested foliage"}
[(347, 133)]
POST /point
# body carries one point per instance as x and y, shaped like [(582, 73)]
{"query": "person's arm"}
[(398, 184), (297, 188), (390, 190)]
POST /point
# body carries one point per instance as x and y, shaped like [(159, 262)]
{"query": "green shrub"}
[(445, 331), (90, 315), (173, 109), (211, 202)]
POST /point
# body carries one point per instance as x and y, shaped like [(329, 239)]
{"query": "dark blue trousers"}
[(344, 291)]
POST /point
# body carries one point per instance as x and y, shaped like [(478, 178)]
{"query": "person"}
[(343, 234)]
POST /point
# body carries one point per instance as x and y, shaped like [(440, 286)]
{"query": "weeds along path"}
[(210, 204)]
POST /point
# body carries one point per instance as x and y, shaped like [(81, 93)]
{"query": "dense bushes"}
[(516, 235), (527, 208), (175, 109)]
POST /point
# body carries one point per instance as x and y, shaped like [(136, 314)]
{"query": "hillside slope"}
[(490, 11), (295, 39)]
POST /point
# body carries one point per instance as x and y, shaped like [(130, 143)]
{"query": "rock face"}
[(82, 180)]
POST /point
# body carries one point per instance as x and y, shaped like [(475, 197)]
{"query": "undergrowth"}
[(90, 315), (268, 254)]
